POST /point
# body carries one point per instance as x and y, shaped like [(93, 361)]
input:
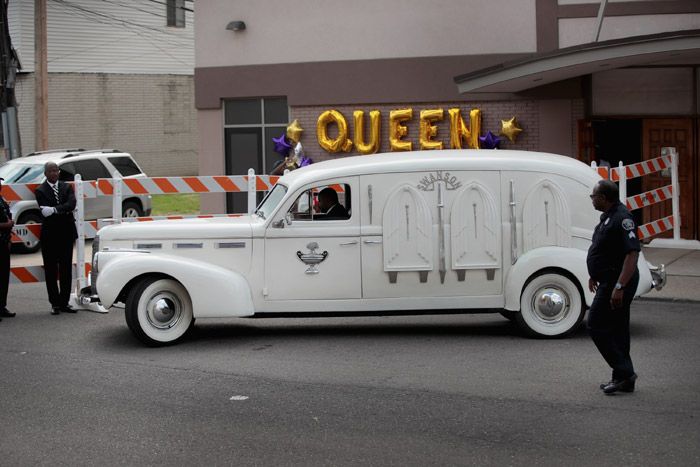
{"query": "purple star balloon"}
[(281, 145), (490, 141)]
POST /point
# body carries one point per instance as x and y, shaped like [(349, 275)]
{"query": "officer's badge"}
[(628, 224)]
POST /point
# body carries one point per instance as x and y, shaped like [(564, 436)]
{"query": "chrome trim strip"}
[(188, 245), (230, 245)]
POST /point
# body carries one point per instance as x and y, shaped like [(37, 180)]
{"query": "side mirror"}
[(278, 224), (288, 218)]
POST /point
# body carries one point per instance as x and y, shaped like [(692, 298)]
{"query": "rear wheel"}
[(550, 306), (31, 246), (159, 311)]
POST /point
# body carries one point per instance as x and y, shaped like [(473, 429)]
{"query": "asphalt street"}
[(427, 390)]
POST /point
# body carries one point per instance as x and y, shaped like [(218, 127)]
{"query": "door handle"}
[(371, 241), (354, 242)]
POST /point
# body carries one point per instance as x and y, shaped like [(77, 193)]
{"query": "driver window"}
[(324, 202)]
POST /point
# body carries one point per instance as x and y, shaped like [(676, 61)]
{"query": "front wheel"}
[(159, 311), (550, 306)]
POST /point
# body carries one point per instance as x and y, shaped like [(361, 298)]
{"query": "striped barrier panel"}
[(650, 197), (655, 227), (173, 185), (636, 170), (30, 233), (25, 191), (35, 274)]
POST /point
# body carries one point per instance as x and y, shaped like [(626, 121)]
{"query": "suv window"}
[(90, 169), (67, 172), (125, 165)]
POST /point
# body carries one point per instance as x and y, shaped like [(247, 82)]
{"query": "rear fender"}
[(570, 260), (215, 292)]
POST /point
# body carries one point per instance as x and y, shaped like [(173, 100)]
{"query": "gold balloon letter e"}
[(397, 131)]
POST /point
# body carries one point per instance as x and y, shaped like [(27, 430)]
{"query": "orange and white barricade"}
[(667, 161), (116, 188)]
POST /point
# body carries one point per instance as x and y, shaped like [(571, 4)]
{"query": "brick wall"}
[(525, 111), (150, 116)]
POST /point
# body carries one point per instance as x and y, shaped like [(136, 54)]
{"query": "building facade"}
[(605, 81), (120, 75)]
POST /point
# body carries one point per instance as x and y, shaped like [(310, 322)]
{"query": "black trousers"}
[(4, 273), (610, 328), (57, 254)]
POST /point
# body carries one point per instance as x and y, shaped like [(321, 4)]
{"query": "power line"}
[(180, 7), (110, 17)]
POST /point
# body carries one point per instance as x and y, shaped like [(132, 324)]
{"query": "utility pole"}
[(9, 64), (41, 76)]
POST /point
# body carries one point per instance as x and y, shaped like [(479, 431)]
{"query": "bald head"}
[(51, 171)]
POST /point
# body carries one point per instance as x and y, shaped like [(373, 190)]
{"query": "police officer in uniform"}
[(612, 267)]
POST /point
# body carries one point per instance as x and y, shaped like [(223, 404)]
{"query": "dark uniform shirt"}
[(5, 216), (613, 238)]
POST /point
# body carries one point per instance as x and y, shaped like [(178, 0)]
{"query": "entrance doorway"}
[(620, 140)]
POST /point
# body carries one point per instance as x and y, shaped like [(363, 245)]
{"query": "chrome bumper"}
[(658, 276)]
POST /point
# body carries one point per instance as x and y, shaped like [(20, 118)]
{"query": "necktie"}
[(55, 192)]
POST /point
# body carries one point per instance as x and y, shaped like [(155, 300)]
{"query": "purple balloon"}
[(490, 141), (281, 145), (304, 161)]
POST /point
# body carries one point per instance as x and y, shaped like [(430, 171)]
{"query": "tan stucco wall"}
[(279, 31)]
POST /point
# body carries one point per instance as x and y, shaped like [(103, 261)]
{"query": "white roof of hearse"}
[(446, 159)]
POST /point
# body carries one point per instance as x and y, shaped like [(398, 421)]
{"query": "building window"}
[(249, 126), (175, 10)]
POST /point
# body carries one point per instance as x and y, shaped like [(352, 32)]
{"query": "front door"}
[(312, 247), (678, 133)]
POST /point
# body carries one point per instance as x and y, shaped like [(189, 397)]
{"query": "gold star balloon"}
[(294, 131), (510, 129)]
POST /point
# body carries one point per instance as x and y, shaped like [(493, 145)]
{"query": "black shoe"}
[(68, 309), (5, 313), (602, 385), (55, 310), (623, 385)]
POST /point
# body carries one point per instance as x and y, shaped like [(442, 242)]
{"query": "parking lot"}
[(448, 390)]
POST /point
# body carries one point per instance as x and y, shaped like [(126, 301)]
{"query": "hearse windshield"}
[(270, 202)]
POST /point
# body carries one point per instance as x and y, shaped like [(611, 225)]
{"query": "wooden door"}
[(678, 133)]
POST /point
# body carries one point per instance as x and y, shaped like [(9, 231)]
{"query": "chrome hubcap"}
[(551, 304), (164, 310), (131, 212)]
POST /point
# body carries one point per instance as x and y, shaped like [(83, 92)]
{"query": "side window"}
[(125, 165), (91, 169), (322, 203), (67, 172)]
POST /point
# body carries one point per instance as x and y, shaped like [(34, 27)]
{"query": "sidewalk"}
[(682, 270)]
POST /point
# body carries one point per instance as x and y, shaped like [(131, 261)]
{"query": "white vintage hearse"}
[(420, 232)]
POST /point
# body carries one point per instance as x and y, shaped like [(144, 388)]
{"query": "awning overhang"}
[(540, 69)]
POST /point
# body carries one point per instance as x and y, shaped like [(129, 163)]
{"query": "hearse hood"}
[(216, 227)]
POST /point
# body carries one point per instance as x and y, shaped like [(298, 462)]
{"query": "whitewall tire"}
[(159, 311), (550, 306)]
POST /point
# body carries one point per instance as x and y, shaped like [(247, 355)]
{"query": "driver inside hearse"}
[(322, 205)]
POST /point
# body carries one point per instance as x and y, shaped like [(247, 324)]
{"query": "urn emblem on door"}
[(312, 259)]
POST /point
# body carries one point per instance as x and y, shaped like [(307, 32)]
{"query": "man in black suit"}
[(330, 207), (58, 233)]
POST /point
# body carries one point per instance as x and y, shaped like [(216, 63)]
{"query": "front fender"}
[(215, 292), (568, 259)]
